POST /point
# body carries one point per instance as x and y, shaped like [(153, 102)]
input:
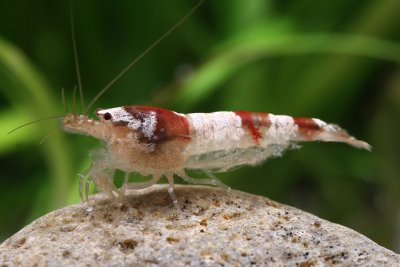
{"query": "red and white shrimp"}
[(159, 142), (155, 141)]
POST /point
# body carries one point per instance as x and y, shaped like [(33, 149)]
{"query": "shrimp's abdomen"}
[(226, 140)]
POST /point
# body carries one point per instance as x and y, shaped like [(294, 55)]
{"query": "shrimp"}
[(159, 142)]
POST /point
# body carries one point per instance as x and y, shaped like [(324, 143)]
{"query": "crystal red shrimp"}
[(155, 141), (159, 142)]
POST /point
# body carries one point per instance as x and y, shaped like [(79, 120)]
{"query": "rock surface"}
[(218, 229)]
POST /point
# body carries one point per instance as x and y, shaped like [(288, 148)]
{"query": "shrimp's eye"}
[(107, 116)]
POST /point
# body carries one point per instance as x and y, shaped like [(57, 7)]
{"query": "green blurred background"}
[(334, 60)]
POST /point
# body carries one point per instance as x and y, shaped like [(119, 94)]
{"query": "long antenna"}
[(140, 56), (23, 125), (78, 72), (48, 118)]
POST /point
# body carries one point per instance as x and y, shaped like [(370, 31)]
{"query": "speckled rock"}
[(218, 229)]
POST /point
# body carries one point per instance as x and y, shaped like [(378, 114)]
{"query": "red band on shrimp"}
[(168, 125), (308, 127), (253, 121)]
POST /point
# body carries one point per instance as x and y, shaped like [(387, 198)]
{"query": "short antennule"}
[(63, 100), (74, 102)]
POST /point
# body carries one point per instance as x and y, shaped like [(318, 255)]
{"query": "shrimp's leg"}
[(212, 181), (126, 179), (170, 178), (88, 180), (100, 174), (123, 188), (240, 194), (217, 182), (141, 185), (83, 175), (104, 182)]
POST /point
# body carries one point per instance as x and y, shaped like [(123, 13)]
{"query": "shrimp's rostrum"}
[(155, 141)]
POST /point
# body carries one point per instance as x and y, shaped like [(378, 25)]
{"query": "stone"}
[(217, 229)]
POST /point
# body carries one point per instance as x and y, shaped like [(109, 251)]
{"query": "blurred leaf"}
[(27, 91)]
